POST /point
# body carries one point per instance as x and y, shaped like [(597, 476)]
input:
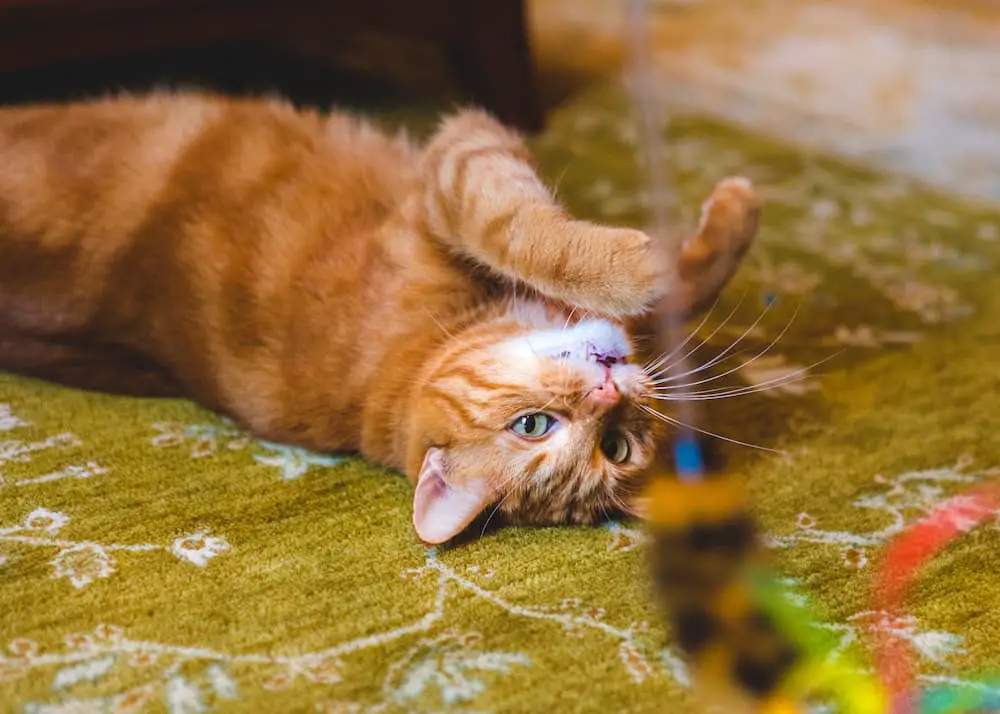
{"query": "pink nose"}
[(602, 398)]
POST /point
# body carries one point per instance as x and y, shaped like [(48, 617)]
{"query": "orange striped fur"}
[(327, 285)]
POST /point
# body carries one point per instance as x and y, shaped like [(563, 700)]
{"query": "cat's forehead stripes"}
[(474, 379)]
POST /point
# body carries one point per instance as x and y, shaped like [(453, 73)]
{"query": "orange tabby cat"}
[(326, 285)]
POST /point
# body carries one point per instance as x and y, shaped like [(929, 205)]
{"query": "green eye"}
[(533, 426), (615, 447)]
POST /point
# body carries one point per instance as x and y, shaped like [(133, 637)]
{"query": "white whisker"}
[(621, 505), (704, 342), (722, 355), (494, 512), (698, 397), (652, 365), (558, 181), (678, 423), (749, 361), (748, 389), (519, 484), (569, 318), (438, 322), (607, 516)]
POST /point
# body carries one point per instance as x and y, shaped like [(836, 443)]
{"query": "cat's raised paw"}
[(710, 257), (639, 273), (728, 223), (625, 275)]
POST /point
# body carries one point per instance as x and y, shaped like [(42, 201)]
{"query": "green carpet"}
[(154, 559)]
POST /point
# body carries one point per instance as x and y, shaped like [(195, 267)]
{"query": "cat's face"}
[(538, 420)]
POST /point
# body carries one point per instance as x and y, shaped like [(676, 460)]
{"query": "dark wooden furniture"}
[(485, 41)]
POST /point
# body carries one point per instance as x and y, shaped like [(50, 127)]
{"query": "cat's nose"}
[(604, 397)]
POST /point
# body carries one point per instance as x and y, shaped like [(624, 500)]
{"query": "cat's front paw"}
[(607, 271), (603, 270), (636, 276)]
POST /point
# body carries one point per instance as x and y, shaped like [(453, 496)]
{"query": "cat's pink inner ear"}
[(442, 510)]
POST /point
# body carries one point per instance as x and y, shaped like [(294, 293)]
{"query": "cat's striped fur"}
[(330, 286)]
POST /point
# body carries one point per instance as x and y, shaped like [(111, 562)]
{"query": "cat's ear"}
[(442, 510)]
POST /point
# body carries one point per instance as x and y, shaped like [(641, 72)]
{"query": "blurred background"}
[(904, 85), (907, 85)]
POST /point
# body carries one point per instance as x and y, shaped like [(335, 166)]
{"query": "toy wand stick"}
[(652, 121)]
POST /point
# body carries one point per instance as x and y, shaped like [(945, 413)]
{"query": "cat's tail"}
[(484, 201)]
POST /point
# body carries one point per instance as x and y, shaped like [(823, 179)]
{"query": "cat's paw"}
[(710, 258), (629, 275), (728, 221), (634, 274)]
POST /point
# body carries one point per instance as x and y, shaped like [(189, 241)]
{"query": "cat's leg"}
[(484, 201)]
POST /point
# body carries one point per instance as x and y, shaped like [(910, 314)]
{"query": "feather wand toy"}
[(746, 644)]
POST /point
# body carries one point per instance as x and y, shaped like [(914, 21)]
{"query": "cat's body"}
[(329, 286)]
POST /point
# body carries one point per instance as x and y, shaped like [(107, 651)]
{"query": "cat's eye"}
[(615, 447), (533, 426)]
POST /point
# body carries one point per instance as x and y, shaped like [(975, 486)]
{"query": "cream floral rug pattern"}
[(155, 559)]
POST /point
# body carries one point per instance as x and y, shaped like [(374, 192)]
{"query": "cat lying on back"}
[(329, 286)]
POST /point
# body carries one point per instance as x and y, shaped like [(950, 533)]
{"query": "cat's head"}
[(536, 418)]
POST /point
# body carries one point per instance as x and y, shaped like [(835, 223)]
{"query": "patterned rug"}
[(153, 558)]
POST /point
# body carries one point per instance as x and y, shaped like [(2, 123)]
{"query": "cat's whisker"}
[(604, 510), (568, 319), (661, 382), (549, 403), (760, 386), (773, 380), (494, 512), (676, 422), (620, 504), (722, 355), (662, 364), (558, 182), (519, 484), (704, 342), (727, 395), (657, 363), (753, 359), (665, 382), (438, 322)]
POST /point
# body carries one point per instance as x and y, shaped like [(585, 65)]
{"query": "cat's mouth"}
[(604, 357), (597, 356)]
